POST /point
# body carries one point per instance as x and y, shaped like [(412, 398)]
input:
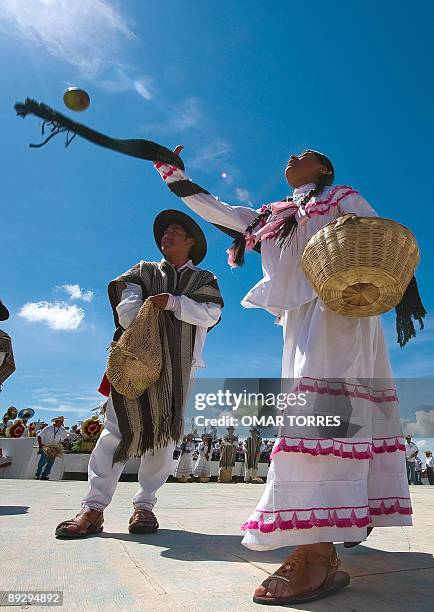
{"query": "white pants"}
[(103, 476)]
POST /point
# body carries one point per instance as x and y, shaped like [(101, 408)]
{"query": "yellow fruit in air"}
[(76, 99)]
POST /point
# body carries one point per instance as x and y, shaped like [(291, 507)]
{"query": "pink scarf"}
[(268, 229)]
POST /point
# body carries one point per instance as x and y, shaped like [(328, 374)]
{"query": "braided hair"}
[(286, 233), (208, 445), (239, 243)]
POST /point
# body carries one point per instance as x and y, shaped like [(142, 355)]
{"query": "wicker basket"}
[(87, 446), (362, 267)]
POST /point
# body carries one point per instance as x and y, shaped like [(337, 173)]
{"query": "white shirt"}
[(52, 435), (429, 461), (284, 285), (184, 308), (410, 449)]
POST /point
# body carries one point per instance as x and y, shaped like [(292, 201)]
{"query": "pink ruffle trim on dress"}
[(359, 516), (321, 207), (389, 505), (346, 450), (330, 387)]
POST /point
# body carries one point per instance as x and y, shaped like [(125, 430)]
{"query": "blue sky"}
[(242, 85)]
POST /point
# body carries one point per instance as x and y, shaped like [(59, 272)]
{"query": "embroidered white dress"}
[(184, 467), (202, 469), (322, 490)]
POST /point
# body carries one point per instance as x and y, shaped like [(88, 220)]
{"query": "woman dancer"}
[(322, 490), (184, 466), (202, 469)]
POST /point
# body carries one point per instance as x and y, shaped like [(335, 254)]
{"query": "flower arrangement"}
[(91, 429), (15, 430)]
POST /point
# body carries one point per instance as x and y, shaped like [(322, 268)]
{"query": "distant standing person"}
[(202, 469), (410, 458), (228, 449), (429, 464), (184, 467), (253, 448), (50, 435), (418, 470)]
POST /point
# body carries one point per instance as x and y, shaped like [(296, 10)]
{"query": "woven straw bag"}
[(135, 360), (362, 267), (53, 450)]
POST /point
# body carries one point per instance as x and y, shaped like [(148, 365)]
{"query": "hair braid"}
[(286, 233), (239, 243)]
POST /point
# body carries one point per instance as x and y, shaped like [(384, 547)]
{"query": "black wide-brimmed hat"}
[(167, 217)]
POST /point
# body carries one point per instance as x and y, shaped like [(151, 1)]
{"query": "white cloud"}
[(423, 445), (75, 292), (121, 82), (142, 88), (423, 426), (214, 151), (184, 116), (86, 34), (61, 409), (243, 195), (57, 315)]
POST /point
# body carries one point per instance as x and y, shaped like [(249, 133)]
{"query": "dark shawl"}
[(252, 447), (8, 366), (156, 417), (227, 455)]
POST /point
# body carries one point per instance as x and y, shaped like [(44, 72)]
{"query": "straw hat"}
[(58, 418), (167, 217)]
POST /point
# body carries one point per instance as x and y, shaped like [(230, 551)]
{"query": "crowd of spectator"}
[(240, 450)]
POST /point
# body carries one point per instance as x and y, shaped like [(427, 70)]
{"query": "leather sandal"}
[(86, 523), (352, 544), (143, 521), (294, 575)]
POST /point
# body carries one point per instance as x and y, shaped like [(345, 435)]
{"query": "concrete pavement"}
[(196, 561)]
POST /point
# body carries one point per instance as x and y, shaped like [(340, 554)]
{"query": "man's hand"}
[(160, 300), (177, 150)]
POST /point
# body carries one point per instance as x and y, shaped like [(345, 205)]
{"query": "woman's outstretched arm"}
[(202, 202)]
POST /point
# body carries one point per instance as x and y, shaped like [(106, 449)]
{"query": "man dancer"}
[(227, 455), (190, 303), (252, 451)]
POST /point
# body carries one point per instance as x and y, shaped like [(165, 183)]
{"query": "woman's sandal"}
[(352, 544), (293, 574), (86, 523), (143, 521)]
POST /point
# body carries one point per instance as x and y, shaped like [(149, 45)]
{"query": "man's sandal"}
[(143, 521), (292, 573), (352, 544), (86, 523)]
